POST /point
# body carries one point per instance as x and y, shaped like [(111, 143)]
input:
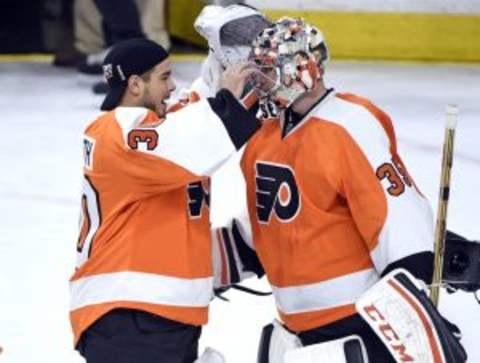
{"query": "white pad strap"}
[(281, 342)]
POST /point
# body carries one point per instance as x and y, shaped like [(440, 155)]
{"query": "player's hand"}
[(236, 76)]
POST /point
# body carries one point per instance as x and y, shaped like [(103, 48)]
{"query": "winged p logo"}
[(107, 72), (276, 191)]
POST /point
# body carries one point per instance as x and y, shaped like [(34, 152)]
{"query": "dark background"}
[(28, 26)]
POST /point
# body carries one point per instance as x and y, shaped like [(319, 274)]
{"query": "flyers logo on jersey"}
[(198, 196), (276, 191)]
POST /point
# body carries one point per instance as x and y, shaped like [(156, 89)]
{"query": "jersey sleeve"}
[(393, 217), (190, 143)]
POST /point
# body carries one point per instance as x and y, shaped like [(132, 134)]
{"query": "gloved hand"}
[(461, 263), (236, 77)]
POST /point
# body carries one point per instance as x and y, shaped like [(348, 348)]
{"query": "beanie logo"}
[(107, 72)]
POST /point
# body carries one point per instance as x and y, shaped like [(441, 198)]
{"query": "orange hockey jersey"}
[(145, 236), (331, 205)]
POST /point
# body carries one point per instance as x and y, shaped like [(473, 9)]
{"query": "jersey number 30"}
[(90, 219), (397, 176)]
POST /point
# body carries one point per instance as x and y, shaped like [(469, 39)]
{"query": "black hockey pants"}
[(376, 350), (133, 336)]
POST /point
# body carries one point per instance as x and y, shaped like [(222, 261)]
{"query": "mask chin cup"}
[(284, 96), (283, 91)]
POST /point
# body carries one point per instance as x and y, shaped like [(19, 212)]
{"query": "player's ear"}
[(135, 85)]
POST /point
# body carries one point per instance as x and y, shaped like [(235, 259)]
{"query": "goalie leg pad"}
[(350, 349), (275, 342), (403, 317)]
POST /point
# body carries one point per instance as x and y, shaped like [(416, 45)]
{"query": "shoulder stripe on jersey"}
[(151, 120), (381, 116), (194, 138), (130, 117), (186, 100), (193, 97), (386, 123)]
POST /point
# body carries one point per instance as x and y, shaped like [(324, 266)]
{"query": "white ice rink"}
[(43, 111)]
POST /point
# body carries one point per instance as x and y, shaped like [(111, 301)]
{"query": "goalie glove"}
[(461, 263), (233, 258)]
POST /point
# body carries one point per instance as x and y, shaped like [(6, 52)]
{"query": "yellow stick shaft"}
[(441, 226)]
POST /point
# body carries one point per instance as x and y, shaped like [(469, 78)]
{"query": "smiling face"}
[(151, 89), (157, 87)]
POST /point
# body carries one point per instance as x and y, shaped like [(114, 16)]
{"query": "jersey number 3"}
[(397, 176)]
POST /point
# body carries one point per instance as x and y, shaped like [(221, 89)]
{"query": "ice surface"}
[(43, 112)]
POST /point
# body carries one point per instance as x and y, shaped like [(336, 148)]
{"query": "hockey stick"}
[(440, 228)]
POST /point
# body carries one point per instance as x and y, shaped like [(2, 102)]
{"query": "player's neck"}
[(306, 102), (130, 101)]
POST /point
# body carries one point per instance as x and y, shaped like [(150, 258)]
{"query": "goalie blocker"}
[(461, 263), (396, 309)]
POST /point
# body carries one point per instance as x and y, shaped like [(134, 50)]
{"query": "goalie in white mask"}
[(229, 32)]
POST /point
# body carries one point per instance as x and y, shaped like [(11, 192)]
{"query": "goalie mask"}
[(289, 55), (230, 31)]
